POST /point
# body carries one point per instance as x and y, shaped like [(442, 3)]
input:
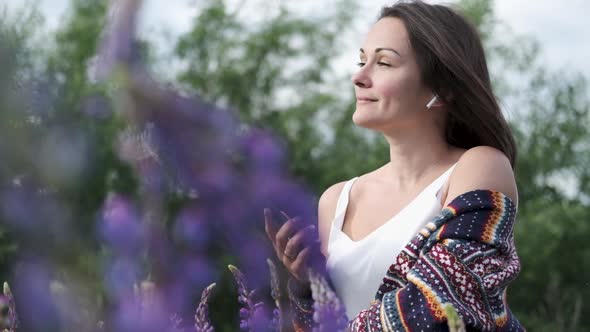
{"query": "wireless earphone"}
[(432, 101)]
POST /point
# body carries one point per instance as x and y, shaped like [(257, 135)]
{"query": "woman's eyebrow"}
[(379, 49)]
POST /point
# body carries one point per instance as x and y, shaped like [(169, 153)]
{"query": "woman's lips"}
[(365, 100)]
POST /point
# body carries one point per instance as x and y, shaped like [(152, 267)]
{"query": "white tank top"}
[(358, 267)]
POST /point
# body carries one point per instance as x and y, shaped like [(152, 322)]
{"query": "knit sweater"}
[(464, 257)]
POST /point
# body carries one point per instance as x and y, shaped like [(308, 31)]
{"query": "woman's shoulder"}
[(482, 167), (330, 196)]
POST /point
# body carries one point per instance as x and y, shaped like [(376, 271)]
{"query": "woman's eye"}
[(361, 64)]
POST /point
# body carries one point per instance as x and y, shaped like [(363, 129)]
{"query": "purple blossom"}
[(9, 317), (275, 293), (120, 225), (139, 312), (120, 276), (329, 312), (175, 324), (118, 44), (202, 322), (253, 316), (37, 308), (192, 229)]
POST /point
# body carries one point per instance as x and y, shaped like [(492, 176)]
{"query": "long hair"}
[(452, 63)]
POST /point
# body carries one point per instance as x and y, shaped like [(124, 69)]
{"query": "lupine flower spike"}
[(252, 315), (329, 313), (175, 324), (202, 322), (275, 292), (10, 319)]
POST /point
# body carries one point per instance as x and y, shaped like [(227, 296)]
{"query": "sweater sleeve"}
[(301, 304), (464, 258)]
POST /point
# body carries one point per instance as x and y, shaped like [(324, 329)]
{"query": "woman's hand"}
[(293, 243)]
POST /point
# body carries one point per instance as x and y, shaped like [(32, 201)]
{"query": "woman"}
[(423, 83)]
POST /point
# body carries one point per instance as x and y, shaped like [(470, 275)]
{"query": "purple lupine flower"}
[(275, 293), (117, 46), (5, 321), (9, 317), (253, 315), (120, 225), (142, 309), (37, 310), (329, 312), (202, 322), (175, 324)]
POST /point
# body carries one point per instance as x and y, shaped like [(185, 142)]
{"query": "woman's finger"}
[(286, 232), (269, 225), (299, 266), (299, 240)]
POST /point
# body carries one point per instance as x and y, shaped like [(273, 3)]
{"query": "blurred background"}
[(283, 67)]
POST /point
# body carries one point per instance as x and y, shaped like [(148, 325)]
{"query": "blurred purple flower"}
[(263, 152), (36, 307), (42, 220), (121, 273), (329, 312), (120, 225), (143, 311), (197, 271), (117, 46), (175, 324), (251, 252), (191, 228)]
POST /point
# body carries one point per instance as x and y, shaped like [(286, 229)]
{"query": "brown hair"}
[(452, 62)]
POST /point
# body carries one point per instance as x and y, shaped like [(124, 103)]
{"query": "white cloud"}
[(561, 28)]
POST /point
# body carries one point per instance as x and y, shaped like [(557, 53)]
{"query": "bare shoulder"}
[(326, 211), (482, 167)]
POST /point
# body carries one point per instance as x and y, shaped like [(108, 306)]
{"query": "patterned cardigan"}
[(464, 257)]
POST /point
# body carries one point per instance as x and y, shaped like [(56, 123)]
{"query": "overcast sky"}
[(562, 30)]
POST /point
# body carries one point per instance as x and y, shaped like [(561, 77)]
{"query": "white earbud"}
[(431, 102)]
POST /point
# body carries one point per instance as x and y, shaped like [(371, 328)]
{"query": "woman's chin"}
[(365, 121)]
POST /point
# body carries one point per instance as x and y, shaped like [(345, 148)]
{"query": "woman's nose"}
[(361, 79)]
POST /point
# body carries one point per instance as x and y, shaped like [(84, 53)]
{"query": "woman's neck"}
[(414, 154)]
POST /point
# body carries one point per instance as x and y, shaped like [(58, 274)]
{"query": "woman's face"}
[(388, 86)]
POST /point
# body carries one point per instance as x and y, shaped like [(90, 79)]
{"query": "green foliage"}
[(552, 177)]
